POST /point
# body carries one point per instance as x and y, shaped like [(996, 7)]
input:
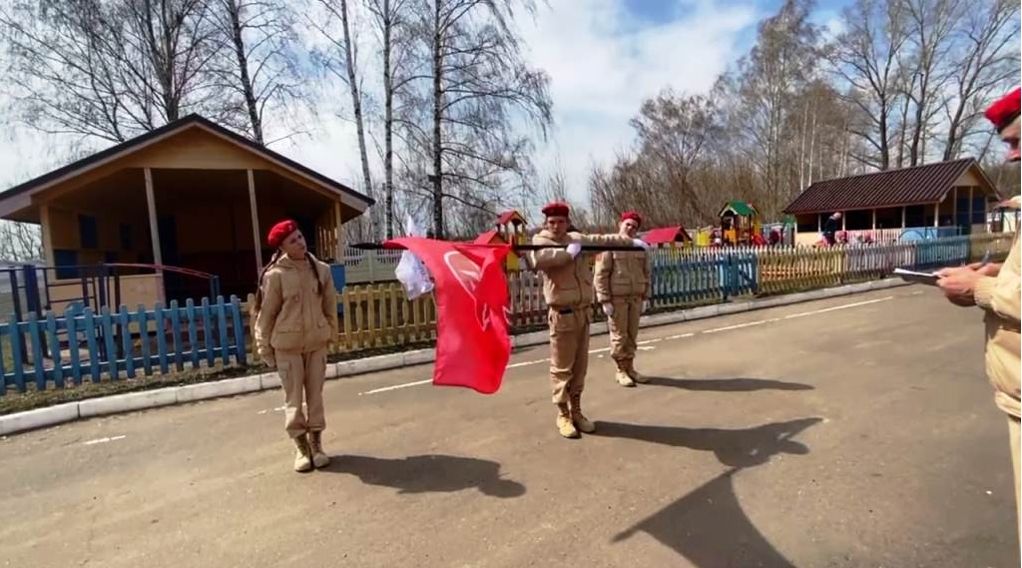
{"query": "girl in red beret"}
[(295, 321)]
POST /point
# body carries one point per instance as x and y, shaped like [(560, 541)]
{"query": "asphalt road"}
[(852, 432)]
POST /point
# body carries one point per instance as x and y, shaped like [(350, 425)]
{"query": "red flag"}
[(473, 346)]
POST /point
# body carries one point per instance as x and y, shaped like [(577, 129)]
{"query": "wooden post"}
[(903, 215), (154, 227), (819, 223), (936, 214), (47, 234), (970, 210), (874, 219), (339, 227), (254, 209), (844, 220), (954, 206)]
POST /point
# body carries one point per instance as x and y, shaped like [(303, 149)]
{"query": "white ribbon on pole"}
[(410, 271)]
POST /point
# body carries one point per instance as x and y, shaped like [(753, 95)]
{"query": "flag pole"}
[(515, 247)]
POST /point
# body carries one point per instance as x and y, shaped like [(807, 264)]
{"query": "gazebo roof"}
[(160, 148)]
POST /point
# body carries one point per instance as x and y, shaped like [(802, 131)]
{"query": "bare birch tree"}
[(480, 88), (866, 57), (259, 71), (985, 58), (393, 22), (20, 242), (931, 24), (342, 61), (109, 70)]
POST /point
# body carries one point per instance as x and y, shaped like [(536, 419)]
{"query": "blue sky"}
[(660, 12)]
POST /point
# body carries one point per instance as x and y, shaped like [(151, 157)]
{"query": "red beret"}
[(556, 209), (631, 215), (279, 232), (1006, 110)]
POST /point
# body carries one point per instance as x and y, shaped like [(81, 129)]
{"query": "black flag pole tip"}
[(367, 246), (516, 247)]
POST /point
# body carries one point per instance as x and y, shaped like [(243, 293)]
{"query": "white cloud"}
[(602, 62)]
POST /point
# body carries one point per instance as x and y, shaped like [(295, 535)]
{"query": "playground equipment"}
[(739, 224), (510, 229)]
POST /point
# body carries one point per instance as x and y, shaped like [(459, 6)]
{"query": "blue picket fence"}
[(685, 276), (684, 279), (52, 351), (941, 252)]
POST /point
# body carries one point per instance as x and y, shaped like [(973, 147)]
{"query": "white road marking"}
[(737, 326), (397, 387), (841, 307), (527, 363), (104, 440), (427, 381), (645, 347), (643, 344), (278, 409)]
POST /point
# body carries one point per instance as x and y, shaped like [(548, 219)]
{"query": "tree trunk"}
[(885, 150), (234, 11), (438, 208), (356, 103), (951, 149), (388, 121), (812, 146), (802, 152), (915, 157)]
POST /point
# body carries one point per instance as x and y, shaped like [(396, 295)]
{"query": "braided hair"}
[(315, 272), (258, 303)]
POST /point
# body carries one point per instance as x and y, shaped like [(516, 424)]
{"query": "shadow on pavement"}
[(736, 448), (429, 474), (728, 385), (708, 526)]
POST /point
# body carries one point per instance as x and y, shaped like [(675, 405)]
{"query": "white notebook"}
[(913, 276)]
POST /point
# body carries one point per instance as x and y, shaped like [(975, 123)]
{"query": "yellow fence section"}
[(375, 316), (796, 269), (528, 308), (997, 244), (380, 315)]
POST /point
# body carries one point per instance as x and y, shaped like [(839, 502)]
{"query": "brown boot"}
[(319, 458), (303, 455), (564, 423), (581, 422), (635, 375)]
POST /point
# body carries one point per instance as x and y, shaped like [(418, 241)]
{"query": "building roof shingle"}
[(917, 185)]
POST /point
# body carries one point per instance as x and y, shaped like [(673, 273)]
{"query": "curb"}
[(116, 404)]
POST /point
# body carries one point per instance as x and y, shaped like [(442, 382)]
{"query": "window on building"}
[(88, 234), (66, 261)]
